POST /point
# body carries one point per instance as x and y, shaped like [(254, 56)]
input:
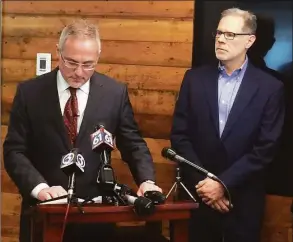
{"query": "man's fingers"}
[(223, 207), (57, 191), (200, 184), (53, 194), (47, 196), (227, 203), (209, 202), (62, 190), (217, 206)]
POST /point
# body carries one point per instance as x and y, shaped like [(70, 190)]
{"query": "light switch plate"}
[(43, 63)]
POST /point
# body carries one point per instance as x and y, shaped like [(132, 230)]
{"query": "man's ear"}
[(250, 41)]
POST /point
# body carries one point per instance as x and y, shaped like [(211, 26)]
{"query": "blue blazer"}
[(251, 134)]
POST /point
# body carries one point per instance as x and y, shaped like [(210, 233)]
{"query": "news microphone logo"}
[(72, 160), (102, 138)]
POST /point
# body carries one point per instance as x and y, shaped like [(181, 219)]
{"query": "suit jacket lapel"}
[(94, 100), (247, 90), (211, 88), (53, 107)]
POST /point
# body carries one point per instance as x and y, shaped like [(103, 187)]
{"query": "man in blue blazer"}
[(228, 119)]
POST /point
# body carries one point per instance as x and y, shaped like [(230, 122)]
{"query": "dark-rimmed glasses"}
[(228, 35)]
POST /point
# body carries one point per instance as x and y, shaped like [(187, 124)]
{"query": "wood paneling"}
[(143, 101), (135, 9), (114, 52), (278, 222), (170, 30), (135, 76), (6, 184)]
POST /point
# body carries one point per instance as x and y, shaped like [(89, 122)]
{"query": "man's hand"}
[(51, 192), (146, 186), (210, 190), (221, 205)]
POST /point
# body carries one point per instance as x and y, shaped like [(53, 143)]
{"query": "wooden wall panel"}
[(160, 30), (114, 52), (135, 9), (278, 222), (143, 101), (135, 76)]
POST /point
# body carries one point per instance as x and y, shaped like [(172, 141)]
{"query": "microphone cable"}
[(64, 221)]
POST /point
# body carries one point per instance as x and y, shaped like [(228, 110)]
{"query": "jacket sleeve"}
[(131, 145), (15, 148)]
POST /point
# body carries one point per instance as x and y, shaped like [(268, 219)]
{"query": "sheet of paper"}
[(64, 201)]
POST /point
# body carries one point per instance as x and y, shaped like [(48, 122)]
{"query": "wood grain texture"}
[(114, 52), (135, 9), (10, 204), (169, 30), (135, 76), (143, 101), (7, 184), (278, 221), (9, 239)]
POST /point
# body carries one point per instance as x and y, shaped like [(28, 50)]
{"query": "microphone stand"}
[(177, 183)]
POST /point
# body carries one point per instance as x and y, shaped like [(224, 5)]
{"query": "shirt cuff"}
[(37, 189), (149, 181)]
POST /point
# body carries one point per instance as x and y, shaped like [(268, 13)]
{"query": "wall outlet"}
[(43, 63)]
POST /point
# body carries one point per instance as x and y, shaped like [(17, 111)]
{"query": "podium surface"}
[(47, 220)]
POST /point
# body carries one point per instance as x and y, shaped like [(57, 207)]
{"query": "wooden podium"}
[(47, 220)]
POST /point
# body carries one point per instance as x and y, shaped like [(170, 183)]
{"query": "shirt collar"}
[(237, 71), (62, 85)]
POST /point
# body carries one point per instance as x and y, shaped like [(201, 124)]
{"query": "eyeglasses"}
[(74, 65), (228, 35)]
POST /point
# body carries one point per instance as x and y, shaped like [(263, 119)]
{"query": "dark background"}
[(272, 52)]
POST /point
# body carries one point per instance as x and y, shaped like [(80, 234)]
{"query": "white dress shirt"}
[(82, 94)]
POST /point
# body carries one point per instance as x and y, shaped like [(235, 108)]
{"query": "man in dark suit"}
[(59, 110), (228, 119)]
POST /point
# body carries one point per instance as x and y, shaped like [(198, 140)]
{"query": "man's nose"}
[(221, 38), (79, 70)]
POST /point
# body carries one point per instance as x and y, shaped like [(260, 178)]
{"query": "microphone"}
[(102, 143), (102, 139), (71, 164), (172, 155), (142, 205)]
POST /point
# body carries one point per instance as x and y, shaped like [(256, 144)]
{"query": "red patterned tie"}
[(70, 115)]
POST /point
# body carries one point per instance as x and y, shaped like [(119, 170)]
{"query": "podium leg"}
[(179, 231)]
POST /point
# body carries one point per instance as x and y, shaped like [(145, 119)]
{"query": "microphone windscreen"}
[(168, 153)]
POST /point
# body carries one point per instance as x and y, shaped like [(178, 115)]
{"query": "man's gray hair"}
[(249, 18), (80, 28)]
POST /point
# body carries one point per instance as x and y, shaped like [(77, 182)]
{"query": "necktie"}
[(70, 115)]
